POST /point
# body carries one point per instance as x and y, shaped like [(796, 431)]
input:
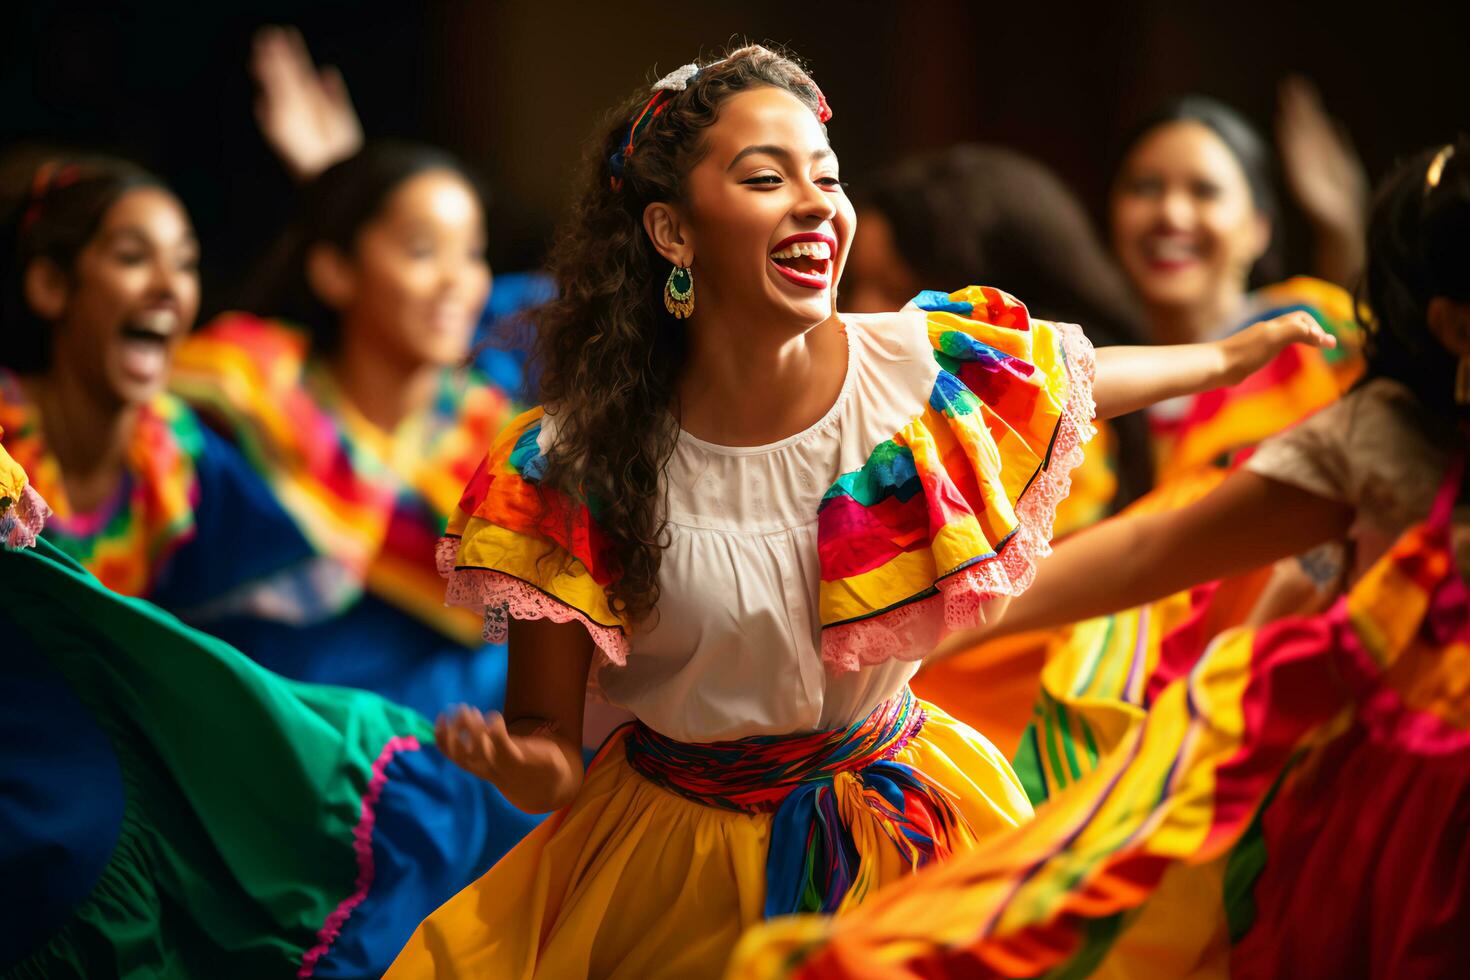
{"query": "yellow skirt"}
[(634, 881)]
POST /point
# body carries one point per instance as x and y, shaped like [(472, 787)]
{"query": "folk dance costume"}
[(778, 762), (1284, 801), (1196, 440), (183, 489), (173, 810), (371, 504)]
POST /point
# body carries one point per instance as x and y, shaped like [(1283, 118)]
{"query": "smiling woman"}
[(352, 402), (746, 526), (99, 289), (103, 819)]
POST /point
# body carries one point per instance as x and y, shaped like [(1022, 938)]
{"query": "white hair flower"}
[(678, 79)]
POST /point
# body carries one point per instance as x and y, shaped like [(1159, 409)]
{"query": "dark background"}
[(516, 87)]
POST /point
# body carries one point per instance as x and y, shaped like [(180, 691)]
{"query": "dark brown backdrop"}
[(517, 86)]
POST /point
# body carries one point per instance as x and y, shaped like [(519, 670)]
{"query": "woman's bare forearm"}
[(550, 772), (1131, 378), (1248, 522)]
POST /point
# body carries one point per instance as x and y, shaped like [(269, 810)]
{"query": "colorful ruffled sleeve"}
[(525, 551), (22, 511), (956, 507)]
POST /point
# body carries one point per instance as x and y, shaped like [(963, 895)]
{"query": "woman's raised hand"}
[(1254, 347), (305, 114), (1326, 178)]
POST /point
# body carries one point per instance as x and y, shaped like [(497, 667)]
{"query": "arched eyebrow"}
[(138, 234), (770, 149)]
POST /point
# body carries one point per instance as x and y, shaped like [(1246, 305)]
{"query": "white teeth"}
[(1168, 249), (163, 322), (812, 250)]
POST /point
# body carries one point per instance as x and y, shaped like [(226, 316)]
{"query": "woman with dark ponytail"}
[(746, 519)]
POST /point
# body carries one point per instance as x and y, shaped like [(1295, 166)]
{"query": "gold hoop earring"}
[(679, 292)]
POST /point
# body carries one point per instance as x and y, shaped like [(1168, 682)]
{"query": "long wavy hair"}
[(610, 355)]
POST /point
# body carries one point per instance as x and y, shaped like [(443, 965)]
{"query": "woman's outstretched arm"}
[(533, 753), (1247, 522), (1130, 378)]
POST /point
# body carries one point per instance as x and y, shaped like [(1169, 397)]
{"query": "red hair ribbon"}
[(51, 175)]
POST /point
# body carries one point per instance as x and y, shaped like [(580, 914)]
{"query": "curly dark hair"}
[(610, 355)]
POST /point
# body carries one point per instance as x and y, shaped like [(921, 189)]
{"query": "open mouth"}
[(806, 259), (145, 343), (1169, 253)]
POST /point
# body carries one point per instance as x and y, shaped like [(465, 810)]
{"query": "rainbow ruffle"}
[(23, 512), (957, 507), (375, 502), (954, 509), (126, 542), (514, 548)]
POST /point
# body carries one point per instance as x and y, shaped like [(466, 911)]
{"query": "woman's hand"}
[(1131, 378), (1326, 178), (1251, 349), (304, 114), (530, 765)]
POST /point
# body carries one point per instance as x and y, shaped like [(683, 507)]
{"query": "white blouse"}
[(734, 646)]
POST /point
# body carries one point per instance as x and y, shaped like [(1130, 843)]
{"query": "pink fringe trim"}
[(23, 520), (505, 597), (910, 631), (362, 844)]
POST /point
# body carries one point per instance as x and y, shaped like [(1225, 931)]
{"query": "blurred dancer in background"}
[(1286, 801), (1195, 219), (172, 809), (307, 118), (356, 408)]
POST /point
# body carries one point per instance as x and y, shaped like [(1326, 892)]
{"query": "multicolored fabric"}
[(952, 510), (1192, 445), (1300, 380), (956, 507), (633, 880), (373, 501), (23, 512), (268, 829), (828, 791), (1240, 808), (127, 542), (516, 549)]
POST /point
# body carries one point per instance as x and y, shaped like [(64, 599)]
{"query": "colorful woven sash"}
[(836, 797)]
